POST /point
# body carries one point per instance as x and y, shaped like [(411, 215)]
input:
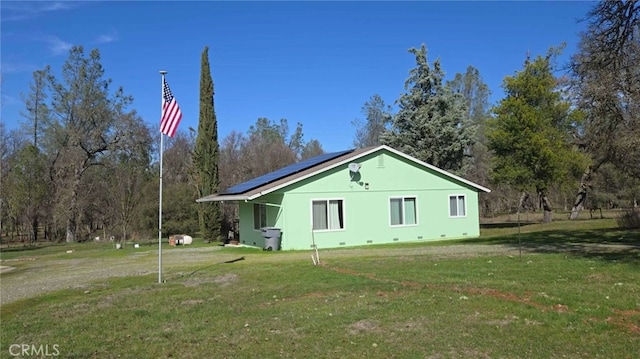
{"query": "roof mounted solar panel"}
[(283, 172)]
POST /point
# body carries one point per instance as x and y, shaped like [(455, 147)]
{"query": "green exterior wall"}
[(366, 211), (251, 236)]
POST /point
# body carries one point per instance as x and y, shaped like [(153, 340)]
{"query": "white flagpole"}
[(160, 194)]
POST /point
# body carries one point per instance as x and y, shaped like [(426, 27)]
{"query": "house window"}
[(259, 215), (457, 206), (327, 214), (403, 211)]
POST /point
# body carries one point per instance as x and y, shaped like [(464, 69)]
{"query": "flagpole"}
[(160, 193)]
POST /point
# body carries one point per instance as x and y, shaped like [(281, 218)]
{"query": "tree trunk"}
[(578, 204), (72, 221), (34, 228), (585, 182), (523, 198), (545, 203)]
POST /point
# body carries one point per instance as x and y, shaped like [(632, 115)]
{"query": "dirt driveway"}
[(31, 276)]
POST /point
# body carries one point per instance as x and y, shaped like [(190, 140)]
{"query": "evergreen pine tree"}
[(430, 124), (529, 134)]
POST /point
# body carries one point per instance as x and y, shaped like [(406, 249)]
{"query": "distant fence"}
[(17, 238), (536, 216)]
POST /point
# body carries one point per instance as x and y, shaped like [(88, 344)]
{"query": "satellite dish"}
[(354, 167)]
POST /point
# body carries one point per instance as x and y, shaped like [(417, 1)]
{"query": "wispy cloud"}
[(106, 38), (16, 11), (7, 100), (57, 6), (12, 68), (57, 46)]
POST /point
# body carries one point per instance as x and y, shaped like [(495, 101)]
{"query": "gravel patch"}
[(4, 269), (43, 275), (36, 275)]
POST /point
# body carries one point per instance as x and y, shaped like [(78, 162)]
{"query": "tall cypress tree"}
[(206, 154)]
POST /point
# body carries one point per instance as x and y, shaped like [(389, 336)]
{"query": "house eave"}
[(437, 169), (223, 198), (269, 189)]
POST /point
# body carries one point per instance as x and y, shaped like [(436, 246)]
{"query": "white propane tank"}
[(187, 240)]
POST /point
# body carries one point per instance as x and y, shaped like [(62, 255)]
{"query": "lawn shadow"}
[(22, 248), (602, 244), (498, 225), (214, 264)]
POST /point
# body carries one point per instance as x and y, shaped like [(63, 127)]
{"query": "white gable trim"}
[(439, 170), (366, 153)]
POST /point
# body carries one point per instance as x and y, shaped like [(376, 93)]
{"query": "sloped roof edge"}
[(294, 178), (221, 198), (437, 169), (356, 155)]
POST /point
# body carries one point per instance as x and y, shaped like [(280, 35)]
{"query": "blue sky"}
[(315, 63)]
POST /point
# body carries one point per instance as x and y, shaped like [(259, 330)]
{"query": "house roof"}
[(286, 176)]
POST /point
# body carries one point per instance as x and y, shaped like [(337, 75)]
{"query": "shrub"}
[(630, 219)]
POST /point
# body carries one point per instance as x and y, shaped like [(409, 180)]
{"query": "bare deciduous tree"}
[(83, 126), (606, 73)]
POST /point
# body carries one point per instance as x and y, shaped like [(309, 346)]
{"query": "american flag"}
[(171, 114)]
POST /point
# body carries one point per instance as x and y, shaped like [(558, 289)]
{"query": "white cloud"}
[(16, 11), (57, 45), (106, 38), (7, 100), (9, 68), (58, 5)]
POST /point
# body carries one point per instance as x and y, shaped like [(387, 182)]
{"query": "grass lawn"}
[(573, 293)]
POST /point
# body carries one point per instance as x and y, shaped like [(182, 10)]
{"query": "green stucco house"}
[(365, 196)]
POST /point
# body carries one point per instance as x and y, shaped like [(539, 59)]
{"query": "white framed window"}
[(259, 215), (457, 205), (327, 214), (403, 211)]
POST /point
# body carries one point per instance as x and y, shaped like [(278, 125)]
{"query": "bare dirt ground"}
[(4, 269), (31, 276)]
